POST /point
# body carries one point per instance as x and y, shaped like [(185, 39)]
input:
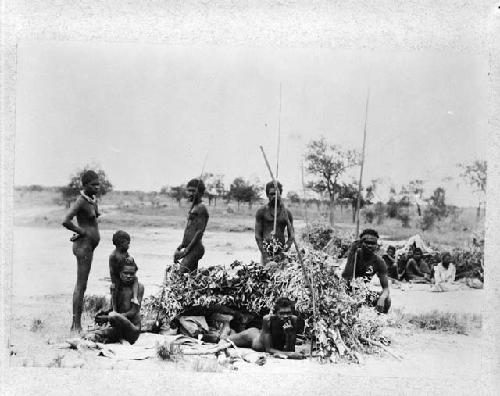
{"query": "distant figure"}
[(118, 258), (417, 269), (191, 250), (125, 319), (85, 239), (444, 275), (390, 261), (278, 334), (362, 255), (264, 224)]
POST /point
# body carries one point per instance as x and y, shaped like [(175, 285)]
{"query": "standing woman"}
[(85, 239)]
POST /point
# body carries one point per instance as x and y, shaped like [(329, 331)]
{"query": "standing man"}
[(264, 223), (362, 255), (191, 250)]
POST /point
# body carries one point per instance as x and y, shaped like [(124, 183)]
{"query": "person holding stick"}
[(191, 250), (278, 333), (85, 239), (270, 227), (363, 262)]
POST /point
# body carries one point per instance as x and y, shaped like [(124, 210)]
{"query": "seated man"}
[(390, 260), (417, 269), (363, 261), (278, 334), (444, 275), (125, 321)]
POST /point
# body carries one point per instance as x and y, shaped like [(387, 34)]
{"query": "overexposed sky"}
[(148, 114)]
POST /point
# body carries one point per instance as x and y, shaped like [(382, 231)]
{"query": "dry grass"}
[(36, 325), (437, 321), (206, 365), (135, 209), (169, 352)]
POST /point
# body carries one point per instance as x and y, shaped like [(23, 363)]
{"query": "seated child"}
[(118, 258)]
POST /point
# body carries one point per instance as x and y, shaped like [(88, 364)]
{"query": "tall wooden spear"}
[(277, 166), (359, 184), (309, 283)]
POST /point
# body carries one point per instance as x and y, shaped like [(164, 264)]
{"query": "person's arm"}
[(349, 266), (384, 283), (134, 310), (200, 225), (290, 229), (438, 275), (259, 231), (290, 329), (68, 219), (411, 268), (115, 277), (453, 273)]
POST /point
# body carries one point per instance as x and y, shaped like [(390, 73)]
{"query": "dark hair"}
[(446, 254), (120, 236), (417, 250), (128, 262), (390, 247), (198, 184), (283, 302), (88, 176), (271, 185), (369, 231)]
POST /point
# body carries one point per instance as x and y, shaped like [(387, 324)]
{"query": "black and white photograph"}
[(276, 218)]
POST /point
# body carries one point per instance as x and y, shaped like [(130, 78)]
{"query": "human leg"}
[(247, 338), (190, 261), (125, 328), (84, 255), (135, 291)]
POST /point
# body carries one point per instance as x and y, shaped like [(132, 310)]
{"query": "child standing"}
[(117, 260)]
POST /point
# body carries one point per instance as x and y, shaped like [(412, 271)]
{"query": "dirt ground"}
[(43, 278)]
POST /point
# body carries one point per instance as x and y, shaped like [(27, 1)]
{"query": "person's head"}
[(283, 307), (127, 273), (369, 240), (446, 259), (417, 254), (271, 190), (391, 251), (121, 240), (195, 189), (90, 182)]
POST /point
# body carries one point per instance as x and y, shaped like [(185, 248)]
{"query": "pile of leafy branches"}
[(469, 263), (341, 323), (322, 236)]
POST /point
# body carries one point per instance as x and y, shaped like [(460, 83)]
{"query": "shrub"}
[(253, 288)]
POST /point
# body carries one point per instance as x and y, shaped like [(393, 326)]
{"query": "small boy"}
[(117, 260)]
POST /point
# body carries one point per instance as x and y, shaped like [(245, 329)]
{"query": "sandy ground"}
[(43, 278)]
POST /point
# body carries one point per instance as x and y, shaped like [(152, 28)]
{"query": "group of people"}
[(123, 317), (273, 222), (414, 267)]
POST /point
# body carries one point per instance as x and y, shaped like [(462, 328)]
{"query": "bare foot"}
[(76, 327)]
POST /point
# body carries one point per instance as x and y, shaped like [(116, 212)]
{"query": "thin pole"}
[(362, 166), (304, 194), (309, 283), (277, 169)]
